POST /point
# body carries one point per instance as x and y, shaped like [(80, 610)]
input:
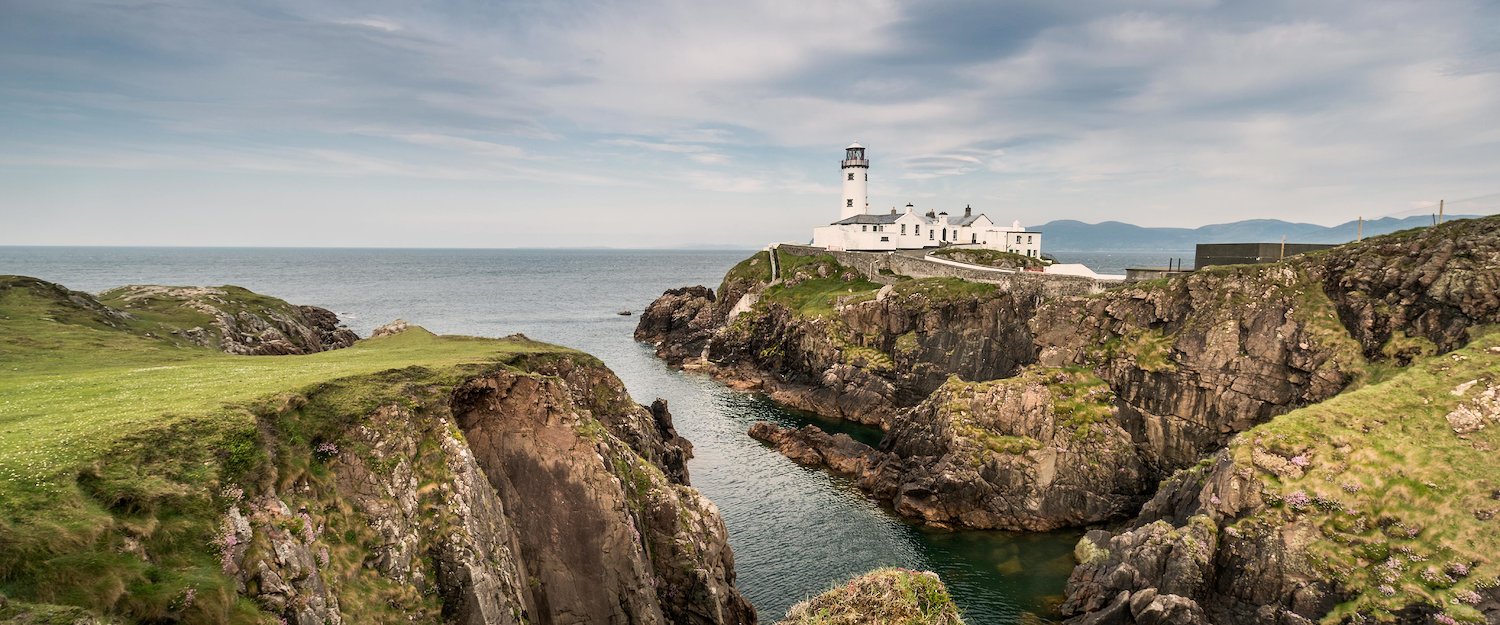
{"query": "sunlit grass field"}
[(70, 385)]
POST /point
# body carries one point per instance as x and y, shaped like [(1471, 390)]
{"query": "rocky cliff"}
[(826, 339), (1187, 363), (1037, 451), (1379, 505), (408, 478), (232, 319)]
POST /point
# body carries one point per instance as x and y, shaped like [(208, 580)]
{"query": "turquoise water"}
[(795, 531)]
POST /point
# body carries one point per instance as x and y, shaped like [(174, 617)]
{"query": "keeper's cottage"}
[(858, 229)]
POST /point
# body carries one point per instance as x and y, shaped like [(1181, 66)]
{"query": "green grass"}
[(1398, 503), (989, 258), (885, 596), (823, 287), (113, 435), (59, 410), (756, 269)]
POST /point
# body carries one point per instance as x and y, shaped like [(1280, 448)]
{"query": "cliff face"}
[(408, 478), (1036, 452), (1346, 511), (1196, 359), (824, 339), (1416, 292), (504, 501), (1188, 362)]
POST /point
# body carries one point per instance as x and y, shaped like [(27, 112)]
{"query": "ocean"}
[(795, 531)]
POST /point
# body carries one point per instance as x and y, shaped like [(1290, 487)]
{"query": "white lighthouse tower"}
[(856, 174)]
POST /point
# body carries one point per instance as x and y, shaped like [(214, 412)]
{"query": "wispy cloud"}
[(1319, 110)]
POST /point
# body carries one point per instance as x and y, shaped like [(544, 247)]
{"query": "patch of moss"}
[(990, 258), (814, 285), (756, 269), (891, 595)]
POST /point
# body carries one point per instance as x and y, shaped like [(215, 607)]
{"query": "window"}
[(903, 228), (885, 238), (973, 238), (929, 235), (864, 228), (851, 175), (1028, 238), (867, 177), (1018, 238), (849, 203), (945, 234), (918, 228)]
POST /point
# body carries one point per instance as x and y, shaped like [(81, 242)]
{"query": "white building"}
[(857, 229)]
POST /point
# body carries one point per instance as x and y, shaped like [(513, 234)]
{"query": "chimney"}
[(893, 210), (968, 210)]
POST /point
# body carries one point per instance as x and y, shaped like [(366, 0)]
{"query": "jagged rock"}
[(990, 455), (535, 496), (240, 322), (679, 323), (1433, 283), (1204, 356), (619, 541)]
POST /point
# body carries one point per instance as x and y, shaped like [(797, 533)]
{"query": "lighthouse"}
[(856, 175)]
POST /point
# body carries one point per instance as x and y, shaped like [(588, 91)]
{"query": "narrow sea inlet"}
[(795, 531)]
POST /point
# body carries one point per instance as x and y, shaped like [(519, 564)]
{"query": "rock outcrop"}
[(537, 495), (1197, 359), (879, 597), (1035, 452), (1429, 284), (1349, 507), (232, 319), (873, 351)]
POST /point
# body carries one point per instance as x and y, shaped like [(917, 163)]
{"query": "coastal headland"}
[(1014, 404)]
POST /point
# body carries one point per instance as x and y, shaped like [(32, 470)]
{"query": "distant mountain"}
[(1070, 235)]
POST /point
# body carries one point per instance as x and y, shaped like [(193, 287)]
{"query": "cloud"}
[(1184, 112)]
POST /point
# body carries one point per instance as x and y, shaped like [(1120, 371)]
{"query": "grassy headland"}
[(117, 439)]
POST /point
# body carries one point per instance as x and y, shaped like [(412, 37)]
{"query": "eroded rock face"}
[(1433, 283), (1200, 358), (240, 322), (620, 542), (1182, 563), (534, 494), (872, 358), (679, 323), (992, 455)]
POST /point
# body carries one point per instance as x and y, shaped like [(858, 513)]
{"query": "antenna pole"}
[(1361, 233), (1440, 211)]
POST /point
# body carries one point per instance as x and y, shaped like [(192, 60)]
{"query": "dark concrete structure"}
[(1209, 254)]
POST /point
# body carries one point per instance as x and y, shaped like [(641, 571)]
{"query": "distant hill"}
[(1071, 235)]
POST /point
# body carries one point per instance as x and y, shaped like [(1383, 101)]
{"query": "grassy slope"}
[(110, 437), (989, 258), (1400, 506), (886, 596)]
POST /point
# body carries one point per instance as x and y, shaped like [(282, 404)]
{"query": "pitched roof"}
[(868, 219)]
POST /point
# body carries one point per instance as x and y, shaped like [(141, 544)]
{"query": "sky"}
[(572, 123)]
